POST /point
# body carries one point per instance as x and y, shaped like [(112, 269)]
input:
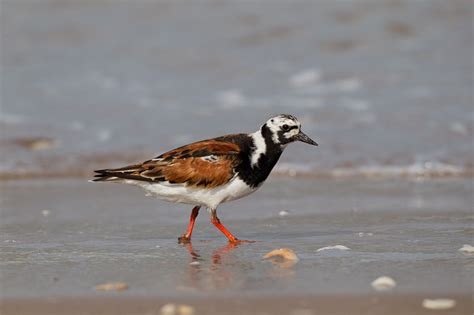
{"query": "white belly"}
[(210, 198)]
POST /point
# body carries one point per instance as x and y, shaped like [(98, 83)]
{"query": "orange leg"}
[(215, 220), (186, 238)]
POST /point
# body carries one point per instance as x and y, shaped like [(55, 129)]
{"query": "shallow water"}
[(96, 233), (385, 87)]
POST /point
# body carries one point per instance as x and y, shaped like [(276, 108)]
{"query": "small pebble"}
[(36, 144), (383, 283), (467, 249), (338, 247), (195, 263), (284, 253), (185, 310), (43, 144), (180, 309), (112, 286), (168, 309), (438, 304), (45, 212), (283, 213)]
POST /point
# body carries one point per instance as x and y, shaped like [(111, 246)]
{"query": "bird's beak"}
[(304, 138)]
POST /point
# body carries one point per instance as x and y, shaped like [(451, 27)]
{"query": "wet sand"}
[(276, 305), (61, 238)]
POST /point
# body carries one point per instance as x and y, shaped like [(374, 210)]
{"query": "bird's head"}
[(286, 129)]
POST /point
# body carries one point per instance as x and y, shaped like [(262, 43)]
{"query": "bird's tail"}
[(104, 176)]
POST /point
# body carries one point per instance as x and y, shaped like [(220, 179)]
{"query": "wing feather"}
[(208, 163)]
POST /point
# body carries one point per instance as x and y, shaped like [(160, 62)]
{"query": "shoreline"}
[(342, 173)]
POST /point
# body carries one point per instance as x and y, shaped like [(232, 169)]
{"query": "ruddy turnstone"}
[(209, 172)]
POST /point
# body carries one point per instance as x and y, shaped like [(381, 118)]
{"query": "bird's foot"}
[(184, 239)]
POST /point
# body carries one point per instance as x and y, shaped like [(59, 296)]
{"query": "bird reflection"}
[(212, 274)]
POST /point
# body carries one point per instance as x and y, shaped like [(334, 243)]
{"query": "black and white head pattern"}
[(273, 137), (284, 128)]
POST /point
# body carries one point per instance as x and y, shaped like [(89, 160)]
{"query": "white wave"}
[(347, 85), (356, 105), (104, 81), (304, 102), (292, 169), (104, 135), (429, 168), (366, 118), (459, 128), (76, 125), (231, 99), (305, 78), (11, 119)]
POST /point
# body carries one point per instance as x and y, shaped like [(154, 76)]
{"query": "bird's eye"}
[(285, 127)]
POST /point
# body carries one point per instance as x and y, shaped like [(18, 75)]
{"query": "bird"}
[(210, 172)]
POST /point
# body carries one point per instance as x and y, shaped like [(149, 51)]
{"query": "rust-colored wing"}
[(208, 163)]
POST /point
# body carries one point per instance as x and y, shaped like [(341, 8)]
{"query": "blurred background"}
[(385, 87)]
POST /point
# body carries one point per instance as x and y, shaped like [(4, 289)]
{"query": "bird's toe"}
[(184, 239)]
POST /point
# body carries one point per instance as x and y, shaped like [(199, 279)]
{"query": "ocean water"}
[(385, 87)]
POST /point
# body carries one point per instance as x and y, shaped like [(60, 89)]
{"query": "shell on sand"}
[(36, 143), (338, 247), (112, 286), (467, 249), (284, 258), (176, 309), (383, 283), (438, 304), (284, 253)]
